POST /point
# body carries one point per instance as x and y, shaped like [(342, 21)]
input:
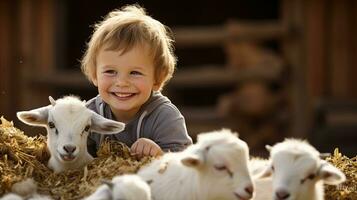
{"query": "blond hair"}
[(125, 28)]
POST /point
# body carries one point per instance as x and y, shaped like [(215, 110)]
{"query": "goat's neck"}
[(315, 192), (206, 178)]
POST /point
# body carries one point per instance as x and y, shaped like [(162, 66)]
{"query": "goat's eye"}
[(51, 125), (223, 168), (311, 176), (220, 167), (86, 129)]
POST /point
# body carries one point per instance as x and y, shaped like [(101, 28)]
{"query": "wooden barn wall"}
[(37, 49), (27, 47), (7, 53), (331, 54), (28, 37)]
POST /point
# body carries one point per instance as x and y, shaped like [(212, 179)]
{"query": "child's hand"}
[(145, 147)]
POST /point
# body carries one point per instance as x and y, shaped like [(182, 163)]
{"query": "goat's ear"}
[(192, 161), (149, 181), (52, 101), (324, 155), (103, 192), (108, 183), (268, 147), (263, 172), (105, 126), (330, 174), (36, 117)]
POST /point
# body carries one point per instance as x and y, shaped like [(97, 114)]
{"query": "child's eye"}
[(136, 73), (110, 72)]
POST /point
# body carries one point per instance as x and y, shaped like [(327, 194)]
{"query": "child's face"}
[(125, 81)]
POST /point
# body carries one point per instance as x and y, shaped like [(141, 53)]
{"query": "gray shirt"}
[(158, 119)]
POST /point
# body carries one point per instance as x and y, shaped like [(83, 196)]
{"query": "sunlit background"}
[(266, 69)]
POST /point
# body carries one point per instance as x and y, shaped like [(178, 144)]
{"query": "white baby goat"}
[(128, 187), (68, 122), (13, 196), (213, 168), (298, 172), (25, 190)]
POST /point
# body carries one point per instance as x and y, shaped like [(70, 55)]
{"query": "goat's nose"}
[(69, 148), (249, 189), (282, 194)]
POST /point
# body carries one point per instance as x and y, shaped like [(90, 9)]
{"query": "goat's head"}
[(296, 167), (68, 123), (226, 158), (128, 187)]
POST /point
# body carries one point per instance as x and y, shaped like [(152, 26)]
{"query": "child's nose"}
[(122, 81)]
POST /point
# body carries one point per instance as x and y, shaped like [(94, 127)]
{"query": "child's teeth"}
[(122, 95)]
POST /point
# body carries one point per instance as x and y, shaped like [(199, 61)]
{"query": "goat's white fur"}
[(68, 122), (128, 187), (25, 189), (213, 168), (13, 196), (297, 172), (264, 188)]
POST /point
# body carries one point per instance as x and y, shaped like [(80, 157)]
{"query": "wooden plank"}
[(37, 45), (339, 49), (204, 36), (45, 26), (72, 79), (316, 49), (204, 76), (353, 68), (7, 91), (199, 36), (256, 30), (292, 15)]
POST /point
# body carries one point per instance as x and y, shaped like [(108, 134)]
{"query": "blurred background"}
[(267, 69)]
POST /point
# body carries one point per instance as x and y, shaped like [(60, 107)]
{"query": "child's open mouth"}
[(123, 95)]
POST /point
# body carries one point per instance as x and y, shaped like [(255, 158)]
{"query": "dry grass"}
[(22, 157), (348, 189)]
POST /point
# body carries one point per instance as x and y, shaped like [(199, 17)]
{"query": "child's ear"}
[(95, 81), (156, 86)]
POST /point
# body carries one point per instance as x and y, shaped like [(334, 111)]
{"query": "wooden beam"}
[(256, 30), (340, 48), (292, 15), (71, 79), (204, 76), (199, 36), (7, 50), (234, 30), (37, 22), (316, 49)]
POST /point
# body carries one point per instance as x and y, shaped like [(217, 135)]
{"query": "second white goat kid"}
[(25, 190), (128, 187), (298, 172), (213, 168), (68, 122)]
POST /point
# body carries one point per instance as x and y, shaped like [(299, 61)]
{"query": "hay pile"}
[(22, 157), (348, 189)]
